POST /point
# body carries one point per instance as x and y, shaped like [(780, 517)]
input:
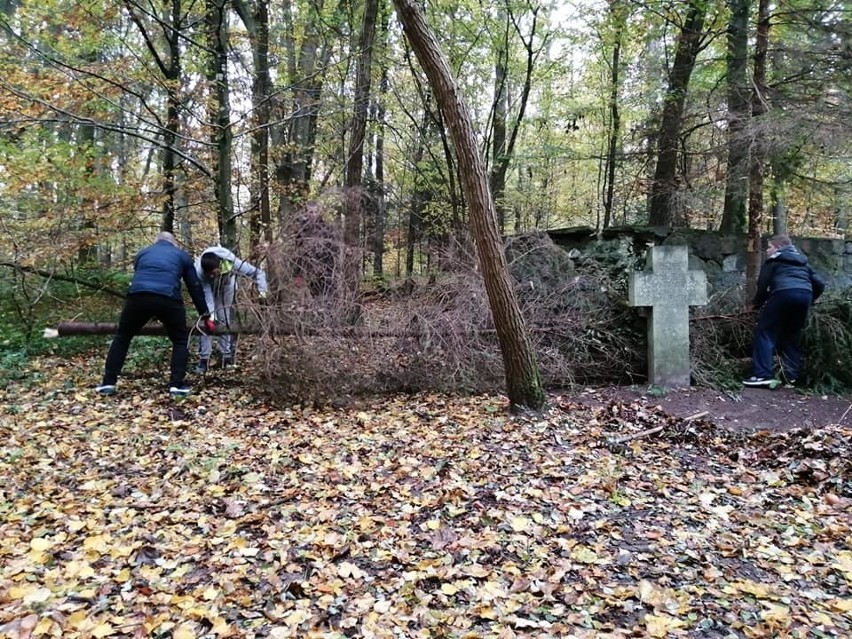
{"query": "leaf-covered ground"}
[(426, 516)]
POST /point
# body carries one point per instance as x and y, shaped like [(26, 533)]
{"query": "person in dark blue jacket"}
[(155, 291), (786, 288)]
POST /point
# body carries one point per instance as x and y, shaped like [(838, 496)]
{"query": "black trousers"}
[(779, 327), (138, 309)]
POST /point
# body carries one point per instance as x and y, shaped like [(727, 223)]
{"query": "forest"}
[(222, 119), (309, 137), (364, 470)]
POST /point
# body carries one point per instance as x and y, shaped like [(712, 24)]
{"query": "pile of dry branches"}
[(322, 339)]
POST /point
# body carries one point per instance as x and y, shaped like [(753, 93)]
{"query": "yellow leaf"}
[(183, 631), (40, 544), (661, 625), (97, 543), (210, 593), (844, 562), (758, 590), (38, 595), (348, 569), (382, 606), (776, 615), (296, 617), (449, 589), (43, 626), (103, 629), (78, 569), (584, 555), (520, 524), (75, 524), (841, 605), (77, 619)]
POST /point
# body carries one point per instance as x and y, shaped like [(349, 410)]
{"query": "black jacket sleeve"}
[(763, 281), (817, 284)]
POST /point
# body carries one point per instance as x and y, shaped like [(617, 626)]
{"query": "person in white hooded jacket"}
[(217, 268)]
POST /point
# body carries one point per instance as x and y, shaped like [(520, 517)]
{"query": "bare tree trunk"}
[(665, 175), (522, 377), (169, 64), (617, 9), (736, 182), (355, 160), (504, 158), (418, 200), (380, 208), (220, 120), (296, 138), (256, 19), (499, 112), (758, 154)]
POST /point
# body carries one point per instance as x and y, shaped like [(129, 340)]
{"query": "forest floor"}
[(744, 409), (614, 513)]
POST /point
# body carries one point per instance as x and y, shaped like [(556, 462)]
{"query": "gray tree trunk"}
[(664, 185)]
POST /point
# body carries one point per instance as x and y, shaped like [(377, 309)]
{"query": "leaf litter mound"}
[(417, 516)]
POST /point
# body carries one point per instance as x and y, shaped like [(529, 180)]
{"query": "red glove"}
[(210, 325)]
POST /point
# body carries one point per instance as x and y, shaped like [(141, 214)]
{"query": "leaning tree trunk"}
[(522, 377), (665, 183)]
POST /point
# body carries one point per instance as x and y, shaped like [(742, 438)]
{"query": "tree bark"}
[(355, 159), (523, 382), (256, 19), (220, 119), (617, 11), (296, 138), (503, 156), (499, 112), (664, 185), (736, 181), (380, 208), (758, 153)]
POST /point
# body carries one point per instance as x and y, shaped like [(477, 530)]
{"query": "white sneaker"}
[(758, 381)]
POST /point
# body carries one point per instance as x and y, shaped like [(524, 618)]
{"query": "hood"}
[(790, 255)]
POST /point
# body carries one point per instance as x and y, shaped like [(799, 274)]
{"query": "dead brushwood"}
[(321, 339)]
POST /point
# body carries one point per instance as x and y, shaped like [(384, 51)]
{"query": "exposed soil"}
[(746, 409)]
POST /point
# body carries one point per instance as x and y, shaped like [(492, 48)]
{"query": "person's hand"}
[(210, 325)]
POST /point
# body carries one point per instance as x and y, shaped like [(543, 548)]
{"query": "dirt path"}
[(750, 408)]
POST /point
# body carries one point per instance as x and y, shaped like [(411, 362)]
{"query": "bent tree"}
[(522, 376)]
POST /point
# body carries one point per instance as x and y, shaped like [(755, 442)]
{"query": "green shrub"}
[(827, 343)]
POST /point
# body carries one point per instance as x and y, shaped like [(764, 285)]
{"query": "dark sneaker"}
[(227, 362), (105, 389), (203, 365), (758, 381), (180, 391)]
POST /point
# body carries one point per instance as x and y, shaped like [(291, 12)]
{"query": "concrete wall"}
[(722, 257)]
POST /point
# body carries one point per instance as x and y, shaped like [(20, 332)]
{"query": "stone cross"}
[(669, 288)]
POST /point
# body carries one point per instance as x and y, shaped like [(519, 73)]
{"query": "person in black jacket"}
[(155, 291), (786, 288)]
